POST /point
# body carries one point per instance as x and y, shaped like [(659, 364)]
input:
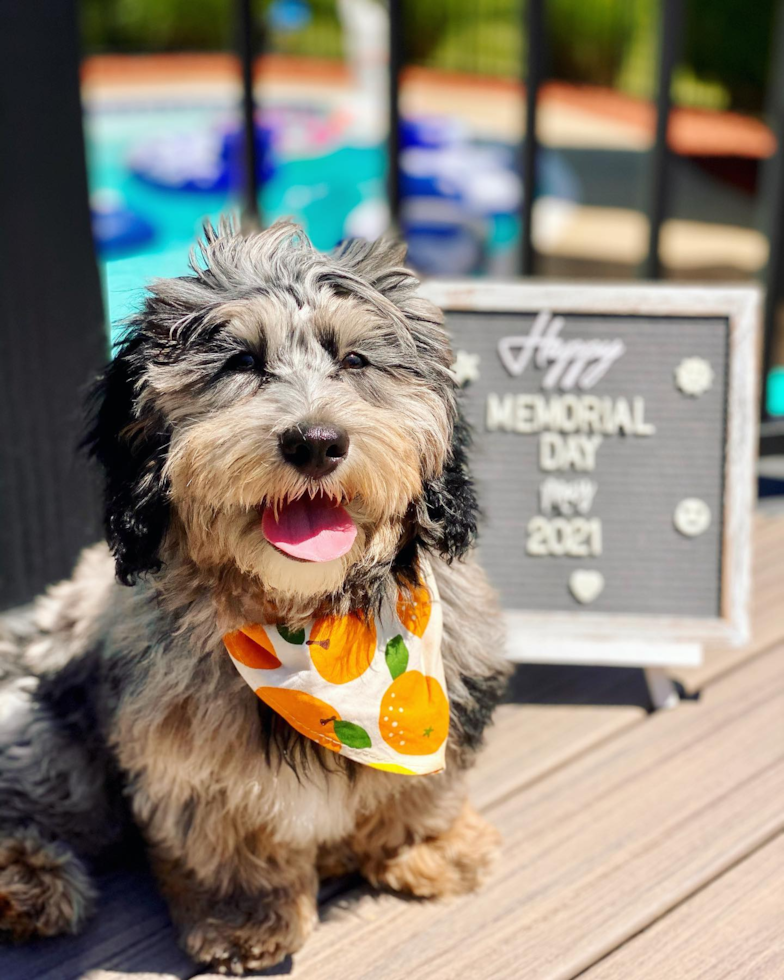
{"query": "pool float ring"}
[(202, 162), (117, 229)]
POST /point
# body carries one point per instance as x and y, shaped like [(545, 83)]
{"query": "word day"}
[(557, 452), (567, 363)]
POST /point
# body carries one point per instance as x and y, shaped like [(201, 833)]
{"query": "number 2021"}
[(575, 537)]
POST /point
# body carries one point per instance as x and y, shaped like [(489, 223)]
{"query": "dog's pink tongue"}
[(311, 530)]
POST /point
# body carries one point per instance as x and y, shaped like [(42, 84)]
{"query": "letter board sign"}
[(614, 447)]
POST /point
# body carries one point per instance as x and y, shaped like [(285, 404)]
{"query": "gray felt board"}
[(647, 565)]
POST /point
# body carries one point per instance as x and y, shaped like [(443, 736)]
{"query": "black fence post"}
[(396, 56), (535, 42), (52, 334), (772, 196), (251, 210), (669, 43)]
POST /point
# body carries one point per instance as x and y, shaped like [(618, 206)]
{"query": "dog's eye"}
[(352, 360), (242, 361)]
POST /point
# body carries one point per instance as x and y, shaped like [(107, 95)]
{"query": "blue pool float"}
[(201, 162), (117, 229)]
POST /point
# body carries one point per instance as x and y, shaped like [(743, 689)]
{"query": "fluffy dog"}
[(118, 693)]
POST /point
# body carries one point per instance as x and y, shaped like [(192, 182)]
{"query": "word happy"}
[(567, 363)]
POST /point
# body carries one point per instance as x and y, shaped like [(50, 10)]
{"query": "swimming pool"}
[(320, 190)]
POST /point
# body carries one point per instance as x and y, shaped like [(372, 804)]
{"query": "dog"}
[(272, 376)]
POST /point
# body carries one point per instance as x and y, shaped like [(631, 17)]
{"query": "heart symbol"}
[(586, 585)]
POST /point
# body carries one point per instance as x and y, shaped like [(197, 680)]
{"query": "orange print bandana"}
[(370, 688)]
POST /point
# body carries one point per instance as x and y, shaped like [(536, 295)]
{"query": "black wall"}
[(52, 337)]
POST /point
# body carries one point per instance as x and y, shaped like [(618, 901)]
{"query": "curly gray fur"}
[(113, 693)]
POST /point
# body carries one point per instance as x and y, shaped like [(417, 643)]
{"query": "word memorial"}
[(613, 448)]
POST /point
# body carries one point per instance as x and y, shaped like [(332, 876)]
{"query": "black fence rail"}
[(52, 334), (772, 430)]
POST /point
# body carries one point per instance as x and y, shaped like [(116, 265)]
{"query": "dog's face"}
[(287, 414), (300, 435)]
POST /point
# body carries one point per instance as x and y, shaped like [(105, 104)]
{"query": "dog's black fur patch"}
[(451, 513), (475, 715), (136, 508), (451, 499)]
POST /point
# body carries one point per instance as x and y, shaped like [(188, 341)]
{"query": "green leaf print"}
[(297, 637), (396, 656), (354, 736)]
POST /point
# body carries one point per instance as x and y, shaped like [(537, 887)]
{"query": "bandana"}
[(368, 687)]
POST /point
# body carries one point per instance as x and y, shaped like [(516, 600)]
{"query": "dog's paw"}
[(44, 889), (262, 940), (453, 863)]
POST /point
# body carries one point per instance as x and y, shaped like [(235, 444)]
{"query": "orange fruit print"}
[(413, 609), (252, 647), (310, 716), (342, 647), (414, 718)]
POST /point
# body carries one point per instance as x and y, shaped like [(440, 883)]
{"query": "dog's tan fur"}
[(237, 810)]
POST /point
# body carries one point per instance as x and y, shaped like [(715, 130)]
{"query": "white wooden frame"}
[(651, 640)]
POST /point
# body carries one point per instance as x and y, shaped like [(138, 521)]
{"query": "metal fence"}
[(406, 21)]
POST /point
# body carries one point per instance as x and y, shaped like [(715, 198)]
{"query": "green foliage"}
[(599, 42), (729, 41), (199, 25), (588, 39), (157, 25), (465, 35), (637, 70), (485, 47), (689, 89)]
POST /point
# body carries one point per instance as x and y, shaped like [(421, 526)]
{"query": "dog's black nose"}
[(315, 450)]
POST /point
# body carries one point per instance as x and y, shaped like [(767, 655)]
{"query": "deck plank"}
[(555, 714), (731, 929), (132, 933), (595, 852)]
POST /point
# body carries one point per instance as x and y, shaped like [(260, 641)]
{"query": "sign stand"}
[(661, 688), (531, 646)]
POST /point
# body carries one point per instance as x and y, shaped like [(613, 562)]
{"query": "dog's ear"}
[(444, 519), (132, 452), (450, 499)]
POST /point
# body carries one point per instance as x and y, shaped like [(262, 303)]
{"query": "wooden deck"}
[(637, 846)]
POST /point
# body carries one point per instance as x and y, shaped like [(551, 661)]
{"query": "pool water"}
[(319, 190), (775, 392)]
